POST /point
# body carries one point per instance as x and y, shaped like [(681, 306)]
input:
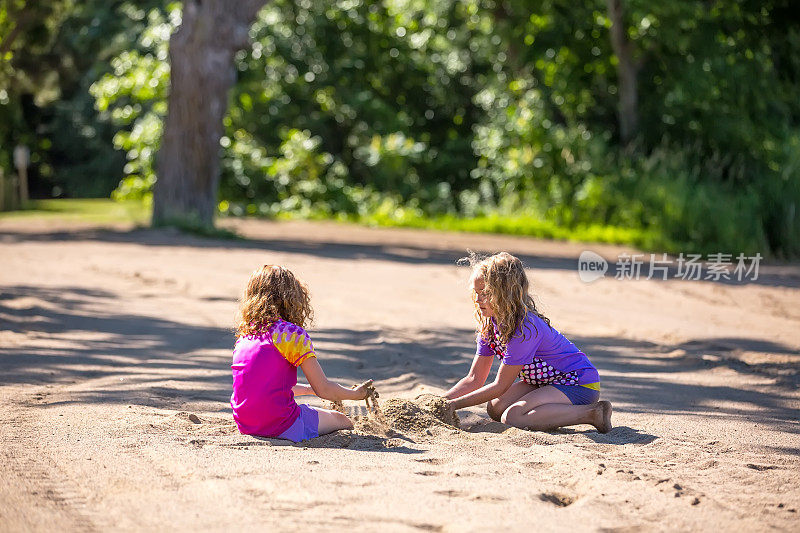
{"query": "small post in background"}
[(22, 156)]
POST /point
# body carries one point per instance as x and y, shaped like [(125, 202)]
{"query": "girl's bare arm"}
[(505, 378), (302, 390), (478, 372), (327, 389)]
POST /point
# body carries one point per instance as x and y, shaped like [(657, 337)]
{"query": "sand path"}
[(110, 338)]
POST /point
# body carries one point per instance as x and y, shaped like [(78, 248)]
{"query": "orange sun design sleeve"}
[(293, 343)]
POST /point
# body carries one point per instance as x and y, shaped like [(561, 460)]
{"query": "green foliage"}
[(387, 89), (54, 51), (471, 114), (301, 179), (133, 96)]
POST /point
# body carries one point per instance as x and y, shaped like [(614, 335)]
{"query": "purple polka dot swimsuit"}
[(546, 356)]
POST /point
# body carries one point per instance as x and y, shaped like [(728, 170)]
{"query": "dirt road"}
[(111, 338)]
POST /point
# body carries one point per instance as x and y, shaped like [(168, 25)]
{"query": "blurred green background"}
[(477, 115)]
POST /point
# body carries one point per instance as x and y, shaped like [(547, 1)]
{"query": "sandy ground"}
[(111, 338)]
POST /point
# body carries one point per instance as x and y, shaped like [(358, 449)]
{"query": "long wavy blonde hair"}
[(506, 286), (273, 293)]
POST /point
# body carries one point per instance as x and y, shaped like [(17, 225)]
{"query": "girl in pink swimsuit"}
[(271, 344), (544, 381)]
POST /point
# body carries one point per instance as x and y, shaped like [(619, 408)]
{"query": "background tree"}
[(627, 72), (202, 72)]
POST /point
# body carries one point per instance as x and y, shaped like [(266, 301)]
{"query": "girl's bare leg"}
[(330, 421), (515, 392), (549, 408)]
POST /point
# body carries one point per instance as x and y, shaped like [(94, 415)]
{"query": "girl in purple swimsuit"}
[(544, 381)]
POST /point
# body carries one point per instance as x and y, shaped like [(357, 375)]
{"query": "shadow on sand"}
[(394, 252), (167, 364)]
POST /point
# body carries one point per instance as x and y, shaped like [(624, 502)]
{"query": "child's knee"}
[(493, 410), (330, 421), (345, 422), (340, 421), (511, 415)]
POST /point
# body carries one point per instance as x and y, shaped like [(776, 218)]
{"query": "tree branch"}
[(9, 39)]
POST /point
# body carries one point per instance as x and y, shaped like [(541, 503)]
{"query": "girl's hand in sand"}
[(327, 389), (363, 390)]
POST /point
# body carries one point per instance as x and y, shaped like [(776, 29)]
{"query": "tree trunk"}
[(202, 71), (627, 71)]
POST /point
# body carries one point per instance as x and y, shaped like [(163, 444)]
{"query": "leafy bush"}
[(500, 117)]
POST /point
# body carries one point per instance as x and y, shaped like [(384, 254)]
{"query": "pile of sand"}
[(370, 425), (419, 414), (437, 406)]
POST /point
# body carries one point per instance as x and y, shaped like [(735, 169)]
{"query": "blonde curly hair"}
[(506, 286), (273, 293)]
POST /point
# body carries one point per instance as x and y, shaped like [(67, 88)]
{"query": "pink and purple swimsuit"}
[(264, 372)]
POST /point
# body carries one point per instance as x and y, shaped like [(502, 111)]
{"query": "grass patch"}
[(106, 211), (96, 210), (519, 225), (529, 226), (192, 228)]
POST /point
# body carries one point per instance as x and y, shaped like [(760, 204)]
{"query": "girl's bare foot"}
[(603, 417)]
